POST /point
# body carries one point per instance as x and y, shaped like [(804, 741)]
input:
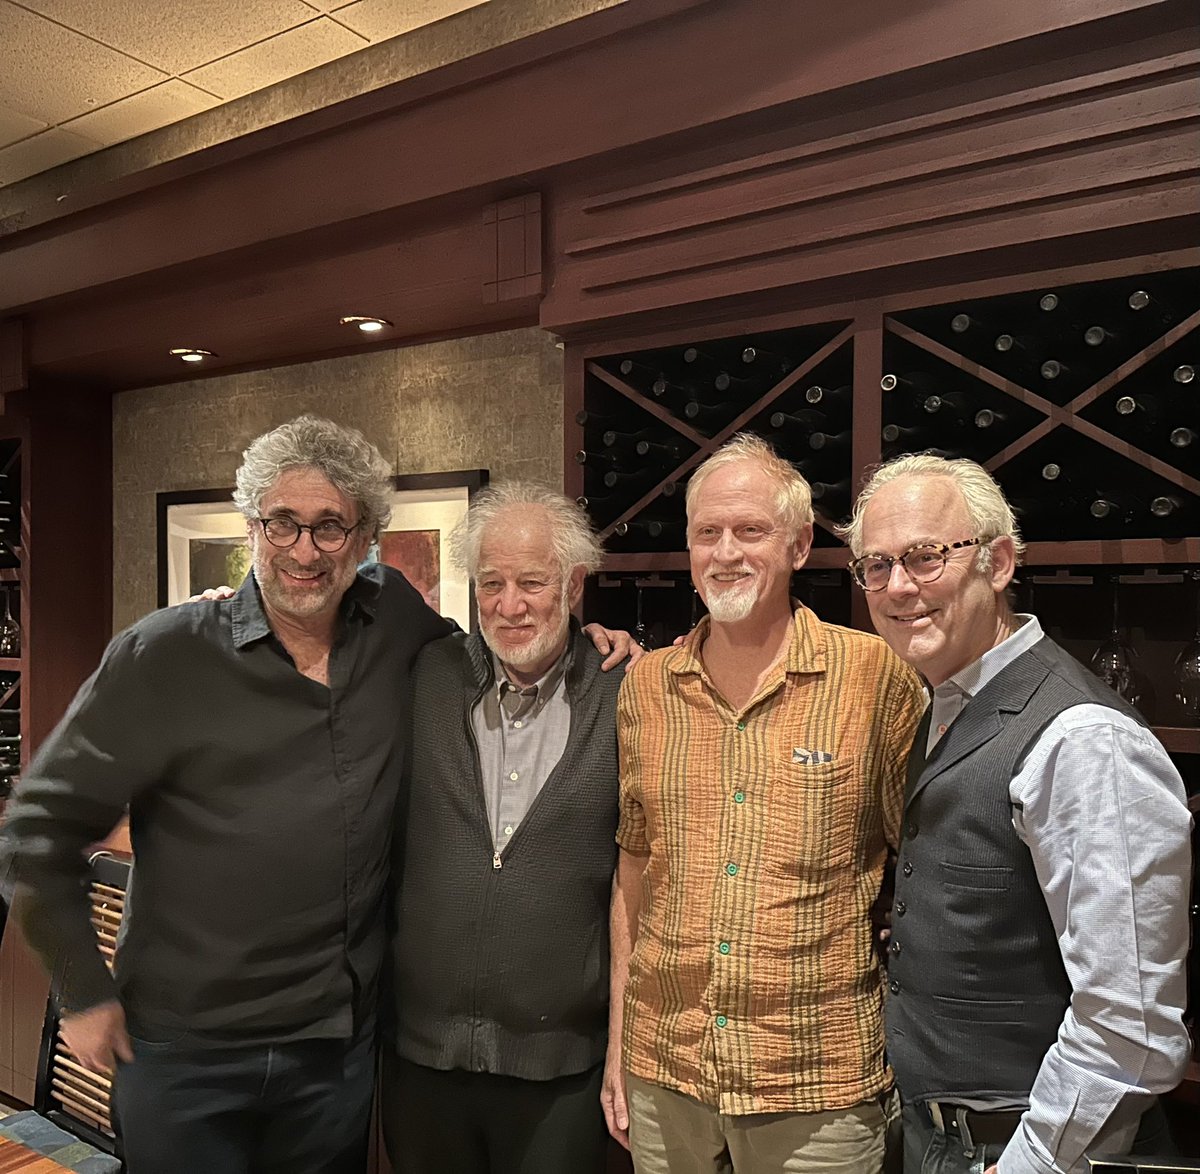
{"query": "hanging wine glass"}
[(10, 630), (1113, 661), (640, 632), (1187, 665)]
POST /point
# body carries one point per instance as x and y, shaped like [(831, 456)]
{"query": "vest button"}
[(907, 868), (911, 831), (894, 986), (901, 908), (895, 946)]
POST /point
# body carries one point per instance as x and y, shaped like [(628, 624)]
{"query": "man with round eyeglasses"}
[(1037, 953), (258, 742)]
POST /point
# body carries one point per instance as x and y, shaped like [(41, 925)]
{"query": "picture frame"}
[(202, 540)]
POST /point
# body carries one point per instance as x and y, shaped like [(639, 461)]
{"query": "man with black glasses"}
[(1040, 919), (258, 743)]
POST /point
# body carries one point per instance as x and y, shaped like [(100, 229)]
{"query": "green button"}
[(739, 797), (721, 1021), (741, 725), (731, 869), (724, 947)]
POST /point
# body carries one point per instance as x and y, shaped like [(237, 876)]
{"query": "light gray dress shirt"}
[(1102, 810), (521, 732)]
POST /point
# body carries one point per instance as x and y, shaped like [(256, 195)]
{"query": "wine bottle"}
[(1052, 369), (949, 405), (653, 528), (1164, 505), (630, 367), (963, 323), (666, 452), (910, 381), (615, 438), (663, 388), (696, 355), (586, 416), (628, 479), (1182, 437), (695, 410), (1048, 302), (1150, 306), (1184, 373), (1095, 336), (988, 418), (724, 381), (1144, 406), (829, 490), (805, 419), (829, 441), (596, 460), (828, 397), (757, 355)]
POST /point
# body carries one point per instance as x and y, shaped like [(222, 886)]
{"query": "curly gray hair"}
[(575, 542), (350, 462)]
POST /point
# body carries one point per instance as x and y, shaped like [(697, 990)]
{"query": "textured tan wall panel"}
[(492, 401)]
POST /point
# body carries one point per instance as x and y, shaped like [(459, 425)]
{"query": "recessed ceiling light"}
[(366, 324), (192, 354)]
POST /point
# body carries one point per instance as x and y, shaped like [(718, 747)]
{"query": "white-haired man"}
[(258, 742), (1040, 917), (500, 951), (762, 768)]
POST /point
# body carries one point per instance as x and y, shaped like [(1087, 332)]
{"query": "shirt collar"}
[(805, 651), (545, 684), (970, 680), (250, 620)]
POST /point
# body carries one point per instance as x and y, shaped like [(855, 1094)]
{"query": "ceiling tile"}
[(34, 80), (280, 57), (40, 153), (139, 113), (381, 19), (175, 36), (14, 126)]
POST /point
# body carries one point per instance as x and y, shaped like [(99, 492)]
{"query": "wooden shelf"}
[(1179, 739), (10, 664), (10, 574)]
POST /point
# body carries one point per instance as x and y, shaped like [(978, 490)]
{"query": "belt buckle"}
[(959, 1120)]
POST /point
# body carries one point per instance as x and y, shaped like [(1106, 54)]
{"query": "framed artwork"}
[(202, 540)]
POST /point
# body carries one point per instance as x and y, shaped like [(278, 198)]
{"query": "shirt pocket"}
[(814, 814)]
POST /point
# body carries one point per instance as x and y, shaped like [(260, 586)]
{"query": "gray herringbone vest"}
[(978, 989)]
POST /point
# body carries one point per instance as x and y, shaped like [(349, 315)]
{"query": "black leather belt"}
[(970, 1126)]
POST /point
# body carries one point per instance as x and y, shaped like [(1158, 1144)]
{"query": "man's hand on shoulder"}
[(97, 1036), (614, 645), (213, 593)]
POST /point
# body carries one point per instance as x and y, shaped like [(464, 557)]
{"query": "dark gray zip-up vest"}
[(978, 989)]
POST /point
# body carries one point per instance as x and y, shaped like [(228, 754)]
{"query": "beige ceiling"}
[(80, 75)]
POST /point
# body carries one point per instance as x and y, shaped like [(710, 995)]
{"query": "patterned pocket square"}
[(810, 757)]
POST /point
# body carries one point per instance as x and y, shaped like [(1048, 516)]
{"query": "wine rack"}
[(1080, 396), (11, 643)]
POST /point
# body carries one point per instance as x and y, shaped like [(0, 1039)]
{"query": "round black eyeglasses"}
[(328, 536), (923, 563)]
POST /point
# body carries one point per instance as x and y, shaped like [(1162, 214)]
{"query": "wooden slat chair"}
[(70, 1094)]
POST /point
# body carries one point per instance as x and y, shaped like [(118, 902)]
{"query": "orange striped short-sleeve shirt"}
[(754, 986)]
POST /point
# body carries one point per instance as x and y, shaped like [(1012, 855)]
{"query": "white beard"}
[(731, 605)]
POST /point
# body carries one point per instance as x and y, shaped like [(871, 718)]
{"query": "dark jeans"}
[(460, 1122), (926, 1151), (297, 1108)]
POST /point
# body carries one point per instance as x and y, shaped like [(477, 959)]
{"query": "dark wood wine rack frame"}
[(867, 322)]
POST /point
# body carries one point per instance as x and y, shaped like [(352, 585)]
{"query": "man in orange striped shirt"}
[(762, 773)]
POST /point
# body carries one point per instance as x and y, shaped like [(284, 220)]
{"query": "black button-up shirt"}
[(261, 806)]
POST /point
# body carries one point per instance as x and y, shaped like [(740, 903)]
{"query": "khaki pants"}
[(670, 1133)]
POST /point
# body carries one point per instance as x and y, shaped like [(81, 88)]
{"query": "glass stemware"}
[(10, 630), (1113, 661), (1187, 665), (640, 632)]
